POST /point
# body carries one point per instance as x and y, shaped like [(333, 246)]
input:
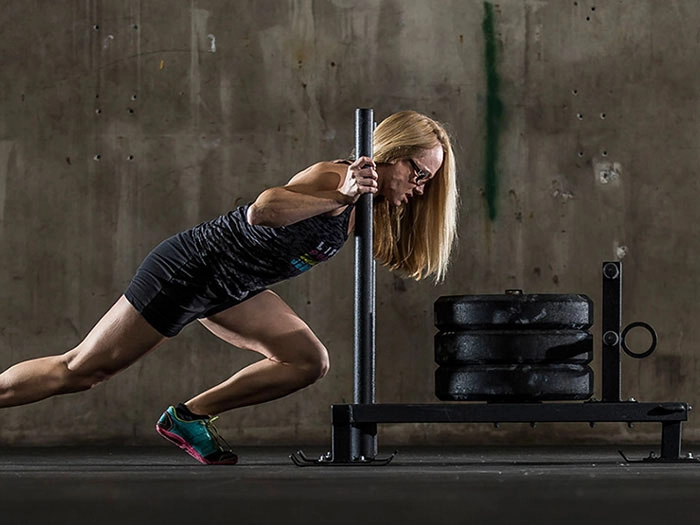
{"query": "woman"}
[(218, 273)]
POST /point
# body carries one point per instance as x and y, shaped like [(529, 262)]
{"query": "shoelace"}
[(209, 423)]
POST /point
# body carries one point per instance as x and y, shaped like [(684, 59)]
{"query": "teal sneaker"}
[(198, 438)]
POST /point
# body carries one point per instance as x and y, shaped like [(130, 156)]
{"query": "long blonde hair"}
[(416, 239)]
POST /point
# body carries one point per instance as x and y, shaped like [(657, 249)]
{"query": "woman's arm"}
[(319, 189)]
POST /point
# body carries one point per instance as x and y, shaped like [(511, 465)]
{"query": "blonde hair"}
[(416, 239)]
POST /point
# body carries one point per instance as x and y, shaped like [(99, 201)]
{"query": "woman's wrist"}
[(344, 199)]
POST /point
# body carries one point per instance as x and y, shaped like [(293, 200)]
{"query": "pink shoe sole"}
[(177, 440)]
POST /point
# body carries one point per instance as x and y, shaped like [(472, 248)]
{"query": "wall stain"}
[(8, 163), (494, 111)]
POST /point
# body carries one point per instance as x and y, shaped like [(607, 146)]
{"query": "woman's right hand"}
[(361, 178)]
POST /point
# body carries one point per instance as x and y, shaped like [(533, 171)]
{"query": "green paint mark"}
[(494, 110)]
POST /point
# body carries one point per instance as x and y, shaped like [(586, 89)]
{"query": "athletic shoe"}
[(198, 438)]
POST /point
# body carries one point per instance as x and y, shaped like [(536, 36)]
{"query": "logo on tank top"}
[(320, 254)]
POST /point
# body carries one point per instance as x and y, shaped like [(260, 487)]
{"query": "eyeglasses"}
[(421, 174)]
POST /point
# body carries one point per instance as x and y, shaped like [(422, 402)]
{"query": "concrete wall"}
[(126, 121)]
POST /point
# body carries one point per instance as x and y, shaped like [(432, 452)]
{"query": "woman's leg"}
[(294, 357), (119, 339)]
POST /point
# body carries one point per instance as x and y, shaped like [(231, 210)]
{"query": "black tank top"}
[(244, 257)]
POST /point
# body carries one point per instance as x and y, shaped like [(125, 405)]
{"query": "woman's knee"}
[(81, 374), (323, 363), (314, 362)]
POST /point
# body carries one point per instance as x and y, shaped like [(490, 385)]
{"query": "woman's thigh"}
[(267, 325), (118, 339)]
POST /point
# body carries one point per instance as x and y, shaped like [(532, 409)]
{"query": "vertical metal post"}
[(612, 318), (364, 439), (341, 437), (671, 439)]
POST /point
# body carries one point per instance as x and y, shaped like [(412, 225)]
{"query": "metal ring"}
[(651, 331)]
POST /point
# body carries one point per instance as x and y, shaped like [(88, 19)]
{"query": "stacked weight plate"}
[(513, 347)]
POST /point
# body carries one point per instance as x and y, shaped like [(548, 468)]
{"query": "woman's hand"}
[(361, 178)]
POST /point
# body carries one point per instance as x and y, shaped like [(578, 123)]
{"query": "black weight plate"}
[(483, 347), (515, 312), (514, 383)]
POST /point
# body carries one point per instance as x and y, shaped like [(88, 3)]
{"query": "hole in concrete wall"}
[(588, 19), (574, 92), (130, 157), (593, 8), (580, 154), (605, 153), (603, 116), (579, 116), (97, 157), (131, 111), (135, 26), (96, 27), (98, 111), (133, 97)]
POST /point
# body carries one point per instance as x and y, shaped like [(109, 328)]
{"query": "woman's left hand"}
[(360, 178)]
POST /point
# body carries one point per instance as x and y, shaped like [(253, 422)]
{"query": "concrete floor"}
[(422, 486)]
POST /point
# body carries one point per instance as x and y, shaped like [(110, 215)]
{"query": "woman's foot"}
[(196, 435)]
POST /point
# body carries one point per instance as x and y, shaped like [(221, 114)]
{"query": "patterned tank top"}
[(245, 257)]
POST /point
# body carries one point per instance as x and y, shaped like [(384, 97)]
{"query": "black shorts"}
[(173, 287)]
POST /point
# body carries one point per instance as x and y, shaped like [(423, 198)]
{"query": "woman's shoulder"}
[(330, 173)]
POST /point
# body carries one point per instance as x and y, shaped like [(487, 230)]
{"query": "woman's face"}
[(405, 179)]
